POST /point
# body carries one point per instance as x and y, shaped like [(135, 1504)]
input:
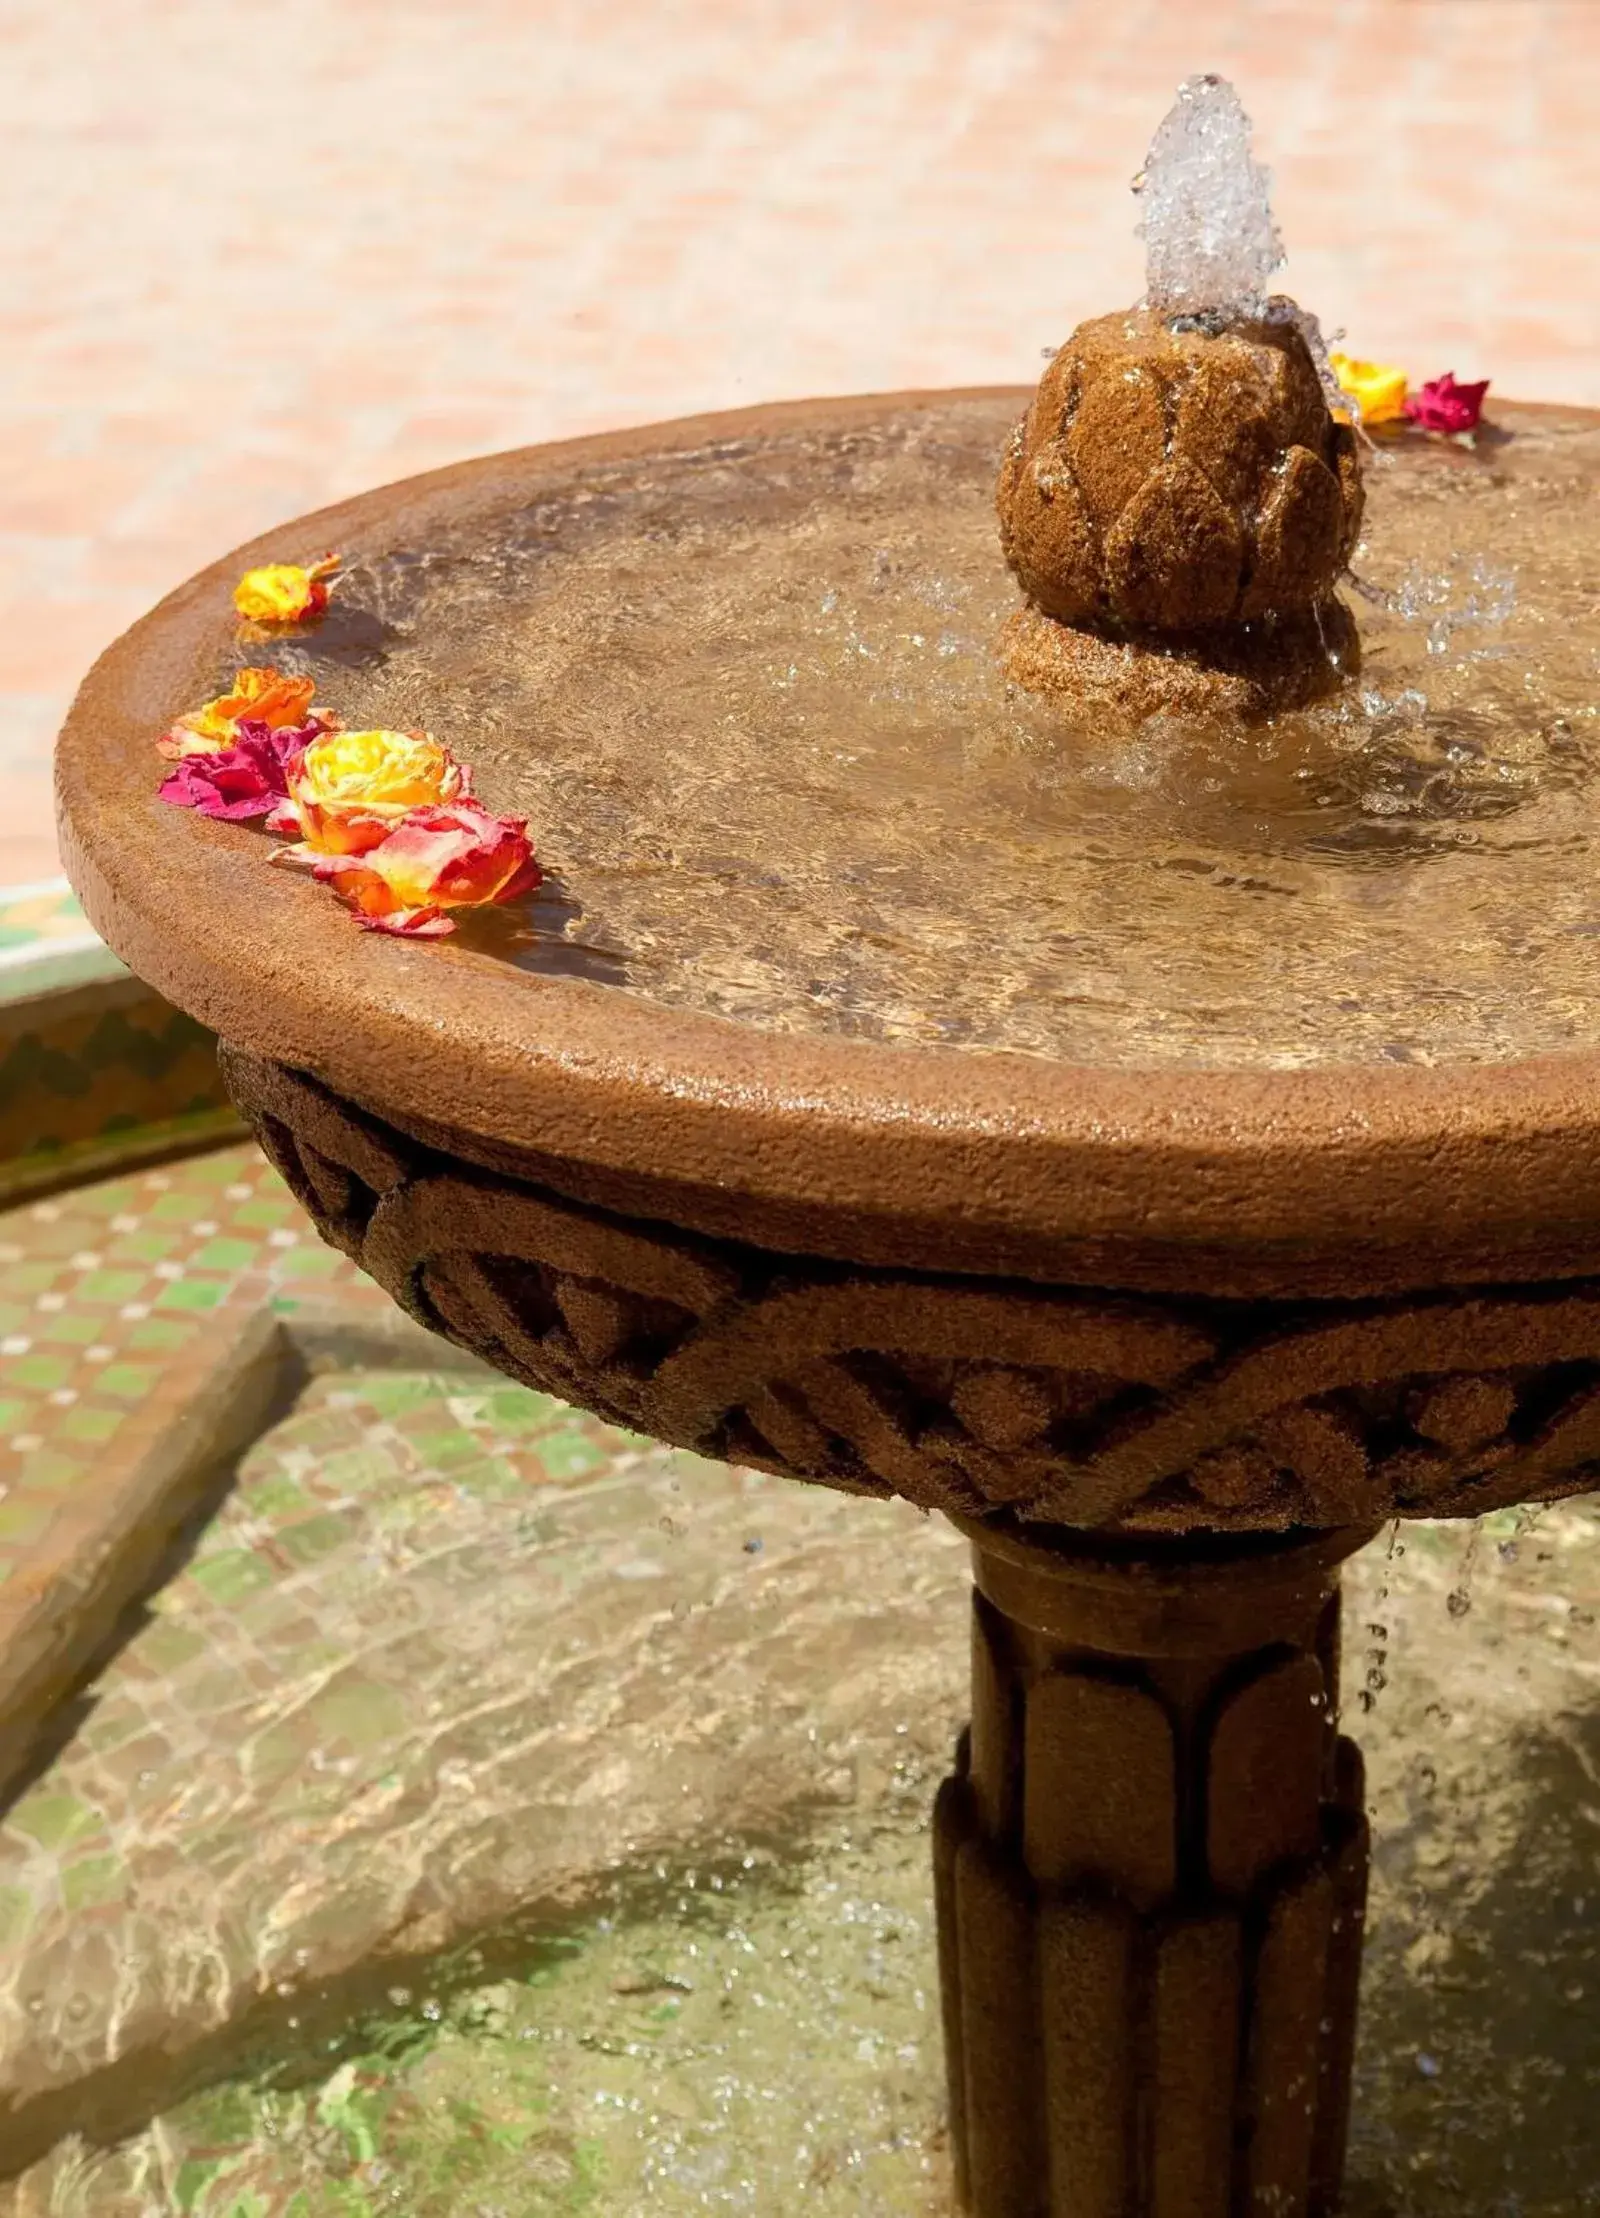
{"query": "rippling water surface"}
[(748, 698)]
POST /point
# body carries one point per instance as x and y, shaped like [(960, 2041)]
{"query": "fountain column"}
[(1151, 1872)]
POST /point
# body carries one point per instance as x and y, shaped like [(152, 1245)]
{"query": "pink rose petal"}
[(1444, 406)]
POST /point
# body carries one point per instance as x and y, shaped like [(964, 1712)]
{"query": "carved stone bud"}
[(1176, 481)]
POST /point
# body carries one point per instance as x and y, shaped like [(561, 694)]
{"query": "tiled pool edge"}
[(97, 1072), (92, 1566)]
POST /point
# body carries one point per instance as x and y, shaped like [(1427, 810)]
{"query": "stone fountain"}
[(1133, 1092)]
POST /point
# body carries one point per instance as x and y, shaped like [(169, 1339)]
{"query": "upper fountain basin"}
[(857, 947)]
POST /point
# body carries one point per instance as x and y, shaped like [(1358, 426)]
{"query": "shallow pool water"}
[(750, 2026)]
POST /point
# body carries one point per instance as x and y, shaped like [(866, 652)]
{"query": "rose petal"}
[(230, 783), (455, 857), (260, 695), (1445, 406), (409, 924), (352, 789), (219, 801), (529, 876)]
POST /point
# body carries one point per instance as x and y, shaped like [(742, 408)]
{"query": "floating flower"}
[(245, 780), (349, 790), (1377, 388), (385, 818), (456, 857), (1443, 405), (284, 593), (263, 696)]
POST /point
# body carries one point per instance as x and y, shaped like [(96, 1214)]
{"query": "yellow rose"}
[(264, 695), (349, 790), (285, 592), (1378, 389)]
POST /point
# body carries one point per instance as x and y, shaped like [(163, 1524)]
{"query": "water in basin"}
[(748, 698)]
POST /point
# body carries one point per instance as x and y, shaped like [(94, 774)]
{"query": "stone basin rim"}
[(1357, 1177)]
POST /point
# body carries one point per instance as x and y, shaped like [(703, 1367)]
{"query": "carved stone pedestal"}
[(1151, 1873)]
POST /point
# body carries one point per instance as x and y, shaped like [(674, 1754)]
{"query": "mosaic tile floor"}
[(366, 1717), (749, 2023), (757, 2037), (104, 1288)]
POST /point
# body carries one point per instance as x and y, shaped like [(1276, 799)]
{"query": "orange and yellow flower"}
[(385, 818), (349, 790), (1378, 389), (456, 857), (285, 592), (259, 696)]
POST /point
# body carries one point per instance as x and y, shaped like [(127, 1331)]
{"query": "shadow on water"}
[(348, 637), (1480, 2042), (545, 936), (1480, 2048)]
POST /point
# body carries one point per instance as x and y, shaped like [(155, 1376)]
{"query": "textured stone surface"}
[(509, 223), (1179, 481), (1146, 1417), (1178, 505), (1240, 676), (1151, 1869), (1383, 1140)]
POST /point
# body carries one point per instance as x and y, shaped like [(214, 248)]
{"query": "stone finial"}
[(1180, 500), (1178, 480)]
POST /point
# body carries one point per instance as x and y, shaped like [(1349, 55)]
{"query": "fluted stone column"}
[(1151, 1871)]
